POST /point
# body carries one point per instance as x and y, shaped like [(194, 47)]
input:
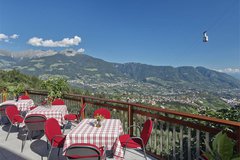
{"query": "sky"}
[(155, 32)]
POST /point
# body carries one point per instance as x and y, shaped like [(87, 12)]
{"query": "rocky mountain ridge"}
[(84, 70)]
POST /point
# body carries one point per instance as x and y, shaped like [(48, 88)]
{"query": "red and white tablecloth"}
[(22, 105), (55, 111), (107, 135)]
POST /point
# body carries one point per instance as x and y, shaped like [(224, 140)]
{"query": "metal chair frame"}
[(2, 111), (54, 147), (131, 138), (52, 140), (33, 122), (10, 120)]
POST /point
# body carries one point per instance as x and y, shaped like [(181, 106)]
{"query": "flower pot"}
[(98, 124), (16, 98)]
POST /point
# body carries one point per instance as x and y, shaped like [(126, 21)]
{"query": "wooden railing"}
[(176, 135)]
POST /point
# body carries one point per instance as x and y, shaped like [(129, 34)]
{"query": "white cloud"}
[(66, 42), (14, 36), (35, 41), (81, 50), (6, 38), (3, 36), (229, 70)]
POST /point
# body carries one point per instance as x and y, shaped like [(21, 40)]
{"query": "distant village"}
[(149, 94)]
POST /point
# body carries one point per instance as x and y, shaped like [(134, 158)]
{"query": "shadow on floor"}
[(8, 155), (40, 147)]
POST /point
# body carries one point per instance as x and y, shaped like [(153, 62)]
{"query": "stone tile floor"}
[(37, 148)]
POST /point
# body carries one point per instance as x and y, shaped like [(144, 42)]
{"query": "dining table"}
[(51, 111), (107, 135), (22, 104)]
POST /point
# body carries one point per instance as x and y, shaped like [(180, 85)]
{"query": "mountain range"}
[(86, 71)]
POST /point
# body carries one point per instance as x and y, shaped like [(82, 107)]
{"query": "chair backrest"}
[(104, 112), (52, 128), (80, 151), (3, 109), (11, 111), (58, 101), (35, 122), (146, 131), (33, 107), (24, 97)]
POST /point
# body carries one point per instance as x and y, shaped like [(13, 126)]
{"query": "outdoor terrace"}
[(176, 135), (37, 148)]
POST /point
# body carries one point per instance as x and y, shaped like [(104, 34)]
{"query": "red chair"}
[(137, 142), (54, 134), (84, 151), (104, 112), (58, 101), (33, 122), (14, 117), (73, 117), (24, 97), (3, 111)]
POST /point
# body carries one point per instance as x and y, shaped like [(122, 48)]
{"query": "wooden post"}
[(4, 95), (82, 105), (26, 93), (130, 119), (238, 140)]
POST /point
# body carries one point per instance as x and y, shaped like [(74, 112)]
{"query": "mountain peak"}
[(39, 53)]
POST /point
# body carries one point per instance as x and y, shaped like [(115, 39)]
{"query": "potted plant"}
[(222, 148), (56, 86), (16, 90), (98, 118)]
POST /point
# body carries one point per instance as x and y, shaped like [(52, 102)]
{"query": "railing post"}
[(238, 140), (4, 95), (82, 105), (26, 92), (130, 119)]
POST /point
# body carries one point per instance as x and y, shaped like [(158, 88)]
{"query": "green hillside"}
[(94, 74), (14, 77)]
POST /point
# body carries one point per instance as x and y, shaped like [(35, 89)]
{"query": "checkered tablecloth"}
[(107, 135), (22, 105), (55, 111)]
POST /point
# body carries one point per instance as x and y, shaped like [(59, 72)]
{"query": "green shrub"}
[(222, 148)]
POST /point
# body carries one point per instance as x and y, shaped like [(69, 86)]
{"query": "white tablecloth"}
[(55, 111), (22, 105), (107, 135)]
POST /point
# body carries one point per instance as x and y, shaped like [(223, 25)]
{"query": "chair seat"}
[(58, 141), (132, 143), (17, 119), (70, 117)]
